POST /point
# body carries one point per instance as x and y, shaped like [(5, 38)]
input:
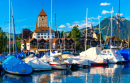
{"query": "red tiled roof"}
[(42, 13), (39, 39), (11, 42), (68, 38), (62, 38), (33, 49), (43, 29), (55, 39)]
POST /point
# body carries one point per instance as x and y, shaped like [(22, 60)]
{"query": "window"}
[(44, 33), (38, 34), (41, 36), (44, 36), (41, 33)]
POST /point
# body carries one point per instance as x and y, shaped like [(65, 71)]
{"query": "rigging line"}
[(113, 29), (108, 28)]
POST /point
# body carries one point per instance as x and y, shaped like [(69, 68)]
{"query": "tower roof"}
[(42, 13)]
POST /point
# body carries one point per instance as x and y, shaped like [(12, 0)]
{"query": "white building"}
[(42, 31)]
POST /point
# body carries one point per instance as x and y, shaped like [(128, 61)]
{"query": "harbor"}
[(57, 41), (111, 74)]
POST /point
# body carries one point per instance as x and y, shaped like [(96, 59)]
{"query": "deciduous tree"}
[(75, 35)]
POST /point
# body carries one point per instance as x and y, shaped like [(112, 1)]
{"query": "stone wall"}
[(42, 21)]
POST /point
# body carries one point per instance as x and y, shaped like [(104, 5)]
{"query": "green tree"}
[(57, 34), (18, 46), (99, 37), (75, 35), (68, 35), (3, 41), (62, 34)]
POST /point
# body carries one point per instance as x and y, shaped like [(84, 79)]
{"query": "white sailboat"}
[(55, 63), (91, 54), (38, 64), (112, 55)]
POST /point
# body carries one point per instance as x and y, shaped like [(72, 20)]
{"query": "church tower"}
[(42, 19)]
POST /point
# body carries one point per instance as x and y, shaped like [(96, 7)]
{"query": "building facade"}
[(42, 30)]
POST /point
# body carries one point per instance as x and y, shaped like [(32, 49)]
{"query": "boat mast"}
[(111, 28), (64, 41), (119, 19), (12, 25), (50, 27), (9, 27), (86, 30), (128, 41), (99, 30)]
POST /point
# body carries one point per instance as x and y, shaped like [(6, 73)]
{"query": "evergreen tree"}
[(62, 34), (3, 41), (75, 35)]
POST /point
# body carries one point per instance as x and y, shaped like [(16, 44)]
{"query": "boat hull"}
[(60, 66), (16, 66), (99, 64)]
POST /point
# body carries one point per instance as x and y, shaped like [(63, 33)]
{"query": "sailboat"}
[(112, 55), (37, 64), (91, 54), (12, 64), (52, 58)]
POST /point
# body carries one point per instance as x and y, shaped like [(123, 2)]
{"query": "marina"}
[(112, 74), (56, 48)]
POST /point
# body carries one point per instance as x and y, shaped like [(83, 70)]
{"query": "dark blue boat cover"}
[(13, 64)]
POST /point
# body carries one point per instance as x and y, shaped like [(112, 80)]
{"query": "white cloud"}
[(104, 4), (59, 29), (84, 21), (94, 18), (120, 14), (105, 12), (76, 22), (68, 24), (62, 26)]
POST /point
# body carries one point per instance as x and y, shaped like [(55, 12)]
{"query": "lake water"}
[(111, 74)]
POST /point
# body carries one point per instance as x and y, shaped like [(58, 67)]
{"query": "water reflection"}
[(111, 74), (9, 78)]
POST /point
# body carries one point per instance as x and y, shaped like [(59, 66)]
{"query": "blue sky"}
[(68, 12)]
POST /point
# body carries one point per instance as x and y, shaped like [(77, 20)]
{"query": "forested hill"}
[(106, 27)]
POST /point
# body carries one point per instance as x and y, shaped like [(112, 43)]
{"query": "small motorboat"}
[(55, 53), (112, 56), (38, 64), (16, 66), (77, 62), (57, 63)]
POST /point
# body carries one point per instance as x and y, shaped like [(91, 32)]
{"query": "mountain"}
[(106, 27)]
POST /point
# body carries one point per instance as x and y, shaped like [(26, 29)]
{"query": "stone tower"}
[(42, 19)]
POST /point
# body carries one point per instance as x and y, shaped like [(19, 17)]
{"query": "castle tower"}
[(42, 19)]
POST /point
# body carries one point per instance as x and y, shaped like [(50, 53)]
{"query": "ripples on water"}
[(111, 74)]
